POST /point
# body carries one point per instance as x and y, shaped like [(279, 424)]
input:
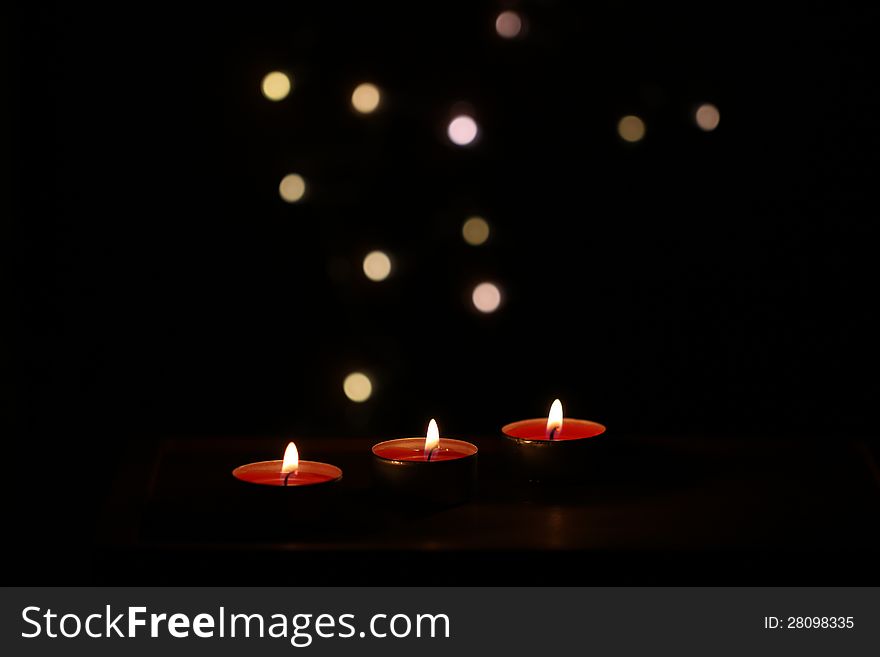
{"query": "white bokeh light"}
[(708, 117), (462, 130), (508, 24), (292, 187), (486, 297), (366, 98), (357, 387), (377, 265), (276, 85)]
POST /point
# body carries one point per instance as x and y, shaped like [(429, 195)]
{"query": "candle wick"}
[(287, 476), (553, 433), (431, 453)]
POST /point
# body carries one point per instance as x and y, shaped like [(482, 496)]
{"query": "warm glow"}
[(554, 419), (708, 117), (292, 187), (357, 387), (276, 85), (366, 98), (377, 265), (291, 459), (631, 128), (462, 130), (475, 231), (508, 24), (486, 297), (432, 441)]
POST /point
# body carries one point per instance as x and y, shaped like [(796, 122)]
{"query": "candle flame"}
[(291, 459), (554, 419), (432, 441)]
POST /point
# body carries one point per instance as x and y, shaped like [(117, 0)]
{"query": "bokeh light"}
[(277, 85), (292, 187), (377, 265), (366, 98), (508, 24), (631, 128), (462, 130), (708, 117), (486, 297), (475, 231), (357, 387)]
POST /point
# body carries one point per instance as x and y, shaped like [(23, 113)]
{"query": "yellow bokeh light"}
[(357, 387), (708, 117), (475, 231), (508, 24), (292, 187), (377, 265), (486, 297), (366, 98), (631, 128), (277, 85)]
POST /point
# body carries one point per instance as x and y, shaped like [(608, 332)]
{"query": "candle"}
[(429, 470), (258, 509), (289, 472), (552, 448)]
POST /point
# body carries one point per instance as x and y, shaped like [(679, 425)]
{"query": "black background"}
[(691, 284)]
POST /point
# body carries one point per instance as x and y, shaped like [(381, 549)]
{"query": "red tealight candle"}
[(554, 428), (289, 472), (553, 448), (430, 449), (431, 469)]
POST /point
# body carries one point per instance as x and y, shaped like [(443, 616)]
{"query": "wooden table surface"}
[(661, 510)]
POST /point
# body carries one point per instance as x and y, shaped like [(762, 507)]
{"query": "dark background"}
[(694, 283)]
